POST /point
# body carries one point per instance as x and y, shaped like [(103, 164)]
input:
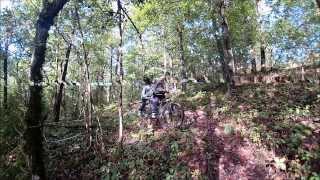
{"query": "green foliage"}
[(194, 100), (12, 159), (141, 161), (228, 129), (243, 23), (282, 123)]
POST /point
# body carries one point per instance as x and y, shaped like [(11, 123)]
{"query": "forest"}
[(159, 89)]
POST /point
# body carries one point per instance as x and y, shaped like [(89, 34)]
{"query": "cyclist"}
[(146, 94), (159, 88)]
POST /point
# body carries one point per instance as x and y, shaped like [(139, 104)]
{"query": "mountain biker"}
[(146, 94), (159, 88)]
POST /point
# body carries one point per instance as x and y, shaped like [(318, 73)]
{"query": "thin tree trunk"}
[(182, 58), (165, 57), (57, 70), (263, 58), (34, 116), (111, 76), (87, 92), (87, 99), (262, 41), (318, 2), (253, 65), (120, 71), (5, 73), (57, 103), (302, 73)]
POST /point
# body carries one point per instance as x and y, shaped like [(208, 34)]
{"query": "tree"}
[(157, 17), (182, 57), (5, 73), (224, 47), (87, 92), (58, 99), (9, 22), (111, 75), (34, 117), (262, 48), (120, 70)]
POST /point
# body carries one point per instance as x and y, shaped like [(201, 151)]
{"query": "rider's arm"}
[(146, 92), (143, 92)]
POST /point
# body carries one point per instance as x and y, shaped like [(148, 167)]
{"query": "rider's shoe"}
[(140, 114)]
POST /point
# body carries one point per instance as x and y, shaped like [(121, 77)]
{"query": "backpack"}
[(158, 88)]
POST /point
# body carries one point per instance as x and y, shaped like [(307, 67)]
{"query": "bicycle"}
[(170, 112)]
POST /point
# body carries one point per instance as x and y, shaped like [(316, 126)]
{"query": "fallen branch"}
[(65, 139)]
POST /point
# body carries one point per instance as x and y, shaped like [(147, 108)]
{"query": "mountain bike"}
[(170, 113)]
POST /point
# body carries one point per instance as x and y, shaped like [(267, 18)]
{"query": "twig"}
[(65, 139), (101, 131), (56, 123)]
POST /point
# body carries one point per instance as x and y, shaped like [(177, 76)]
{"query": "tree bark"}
[(34, 117), (263, 58), (226, 70), (5, 74), (224, 46), (120, 71), (253, 65), (318, 2), (182, 58), (111, 76), (57, 103), (262, 40)]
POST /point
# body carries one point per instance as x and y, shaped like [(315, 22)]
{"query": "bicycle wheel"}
[(174, 114)]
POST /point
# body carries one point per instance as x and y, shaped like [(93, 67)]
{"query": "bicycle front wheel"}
[(175, 117)]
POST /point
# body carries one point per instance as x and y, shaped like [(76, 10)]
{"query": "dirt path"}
[(217, 155), (229, 157)]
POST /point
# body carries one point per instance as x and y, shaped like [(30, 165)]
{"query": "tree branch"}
[(135, 27)]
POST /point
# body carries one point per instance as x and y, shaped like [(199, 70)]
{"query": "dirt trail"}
[(229, 156), (220, 156)]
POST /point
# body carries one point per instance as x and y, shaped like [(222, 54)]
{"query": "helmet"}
[(147, 80)]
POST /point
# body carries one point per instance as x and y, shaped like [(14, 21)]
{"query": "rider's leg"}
[(143, 106), (154, 105)]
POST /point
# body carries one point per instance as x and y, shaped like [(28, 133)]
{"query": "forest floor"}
[(264, 132)]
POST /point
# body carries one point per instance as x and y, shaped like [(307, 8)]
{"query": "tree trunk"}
[(165, 57), (253, 65), (87, 94), (226, 70), (302, 73), (262, 40), (263, 58), (182, 58), (318, 2), (224, 47), (34, 117), (120, 71), (5, 74), (111, 76), (57, 103)]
